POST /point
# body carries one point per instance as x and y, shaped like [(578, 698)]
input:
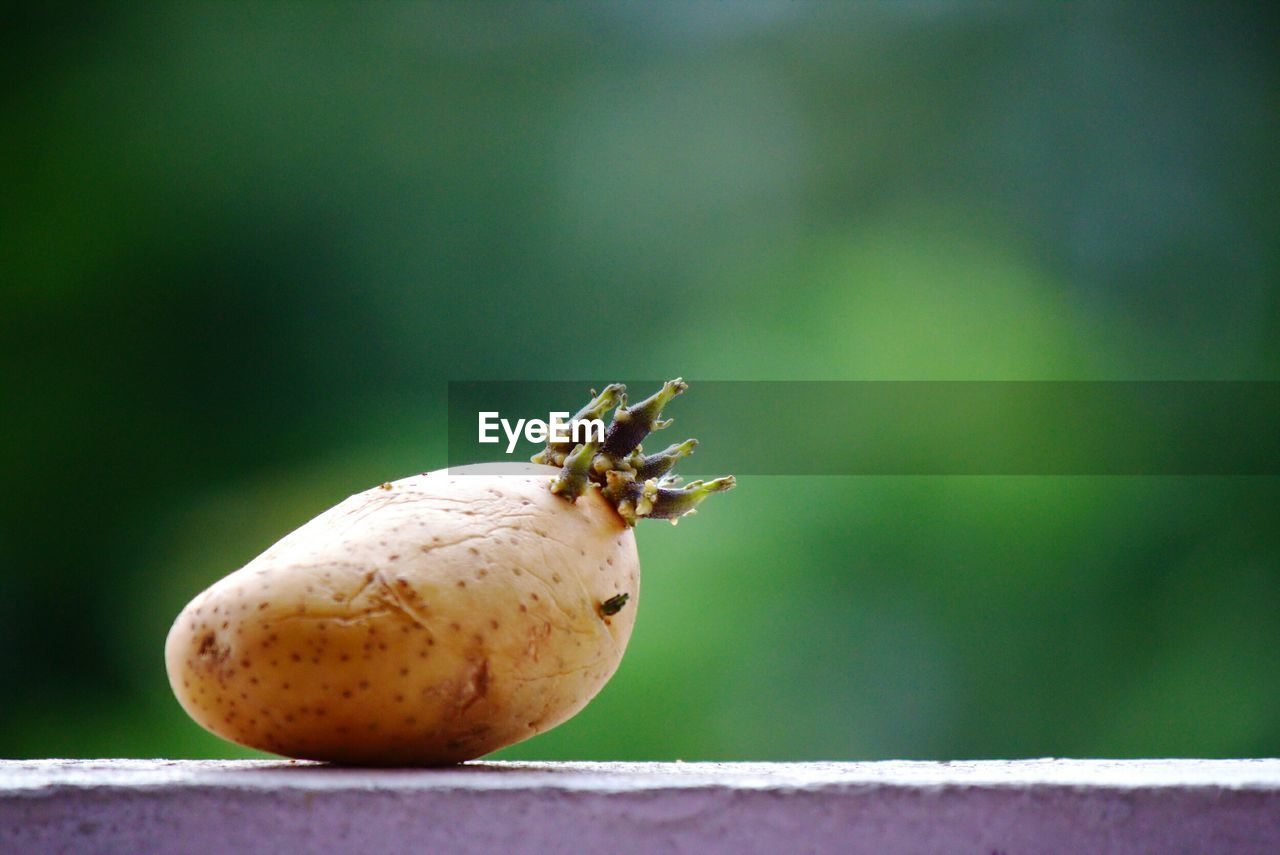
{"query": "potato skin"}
[(424, 622)]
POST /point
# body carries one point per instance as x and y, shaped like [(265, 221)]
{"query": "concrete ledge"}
[(1068, 806)]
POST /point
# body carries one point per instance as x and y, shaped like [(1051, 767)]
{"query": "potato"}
[(440, 617), (423, 622)]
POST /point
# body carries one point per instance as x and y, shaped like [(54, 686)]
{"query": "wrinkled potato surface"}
[(424, 622)]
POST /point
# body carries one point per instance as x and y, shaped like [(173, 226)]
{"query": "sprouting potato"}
[(430, 620), (437, 618)]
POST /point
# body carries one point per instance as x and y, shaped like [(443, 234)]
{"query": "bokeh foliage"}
[(243, 248)]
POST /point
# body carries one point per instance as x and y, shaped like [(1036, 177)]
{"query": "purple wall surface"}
[(1041, 806)]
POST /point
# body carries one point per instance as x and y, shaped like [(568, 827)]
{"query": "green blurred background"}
[(244, 247)]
